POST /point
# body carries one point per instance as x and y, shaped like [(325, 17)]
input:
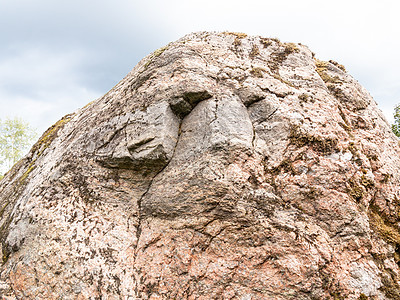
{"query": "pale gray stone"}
[(223, 166)]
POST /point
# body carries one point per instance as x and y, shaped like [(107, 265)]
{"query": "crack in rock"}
[(206, 172)]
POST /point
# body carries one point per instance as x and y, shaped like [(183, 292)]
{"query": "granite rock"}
[(223, 166)]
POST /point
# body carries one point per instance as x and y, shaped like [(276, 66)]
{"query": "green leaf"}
[(396, 124), (16, 136)]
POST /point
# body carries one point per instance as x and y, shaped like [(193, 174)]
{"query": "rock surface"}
[(223, 166)]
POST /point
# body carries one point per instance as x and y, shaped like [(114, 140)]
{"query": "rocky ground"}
[(223, 166)]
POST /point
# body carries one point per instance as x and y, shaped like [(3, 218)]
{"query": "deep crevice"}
[(215, 112), (253, 100), (279, 95), (140, 215), (254, 135)]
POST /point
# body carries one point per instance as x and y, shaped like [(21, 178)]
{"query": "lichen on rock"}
[(223, 166)]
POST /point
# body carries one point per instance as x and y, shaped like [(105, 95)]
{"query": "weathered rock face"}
[(222, 167)]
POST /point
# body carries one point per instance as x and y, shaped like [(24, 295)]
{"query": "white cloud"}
[(362, 35), (41, 87)]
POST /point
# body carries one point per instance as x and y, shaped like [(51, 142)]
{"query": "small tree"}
[(16, 137), (396, 124)]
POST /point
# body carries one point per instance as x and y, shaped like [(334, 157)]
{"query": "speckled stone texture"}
[(223, 166)]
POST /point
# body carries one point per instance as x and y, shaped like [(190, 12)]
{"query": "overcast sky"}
[(56, 56)]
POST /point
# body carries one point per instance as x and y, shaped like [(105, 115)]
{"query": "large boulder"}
[(223, 166)]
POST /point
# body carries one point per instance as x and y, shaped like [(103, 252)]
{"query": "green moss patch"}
[(155, 54), (5, 256), (305, 98), (50, 134), (254, 51), (337, 92), (322, 68), (238, 36), (41, 145), (341, 67), (355, 190), (278, 57), (389, 232), (266, 42), (258, 72), (26, 174), (87, 105), (3, 209)]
